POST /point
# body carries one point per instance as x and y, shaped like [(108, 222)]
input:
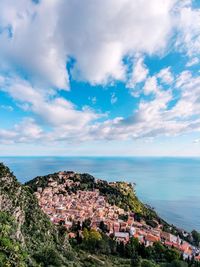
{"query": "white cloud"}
[(104, 33), (98, 40), (140, 72), (151, 85), (26, 131), (154, 117), (183, 78), (166, 76), (189, 30), (96, 36), (192, 62), (53, 111), (189, 104), (34, 45)]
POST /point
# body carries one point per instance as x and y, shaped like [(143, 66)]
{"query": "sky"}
[(100, 77)]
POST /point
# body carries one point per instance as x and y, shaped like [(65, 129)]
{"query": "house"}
[(130, 221), (139, 237), (151, 239), (121, 236), (116, 227), (68, 224), (169, 237), (155, 232), (39, 189), (71, 235), (187, 250)]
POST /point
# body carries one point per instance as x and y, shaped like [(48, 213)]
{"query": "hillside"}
[(100, 215), (70, 219), (28, 229), (121, 194)]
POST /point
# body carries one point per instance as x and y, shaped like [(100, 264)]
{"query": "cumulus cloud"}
[(192, 62), (189, 104), (166, 76), (157, 117), (44, 45), (151, 85), (30, 43), (140, 72), (188, 26), (52, 110), (104, 33), (153, 118), (42, 38), (24, 132)]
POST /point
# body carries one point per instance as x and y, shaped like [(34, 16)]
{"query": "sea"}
[(170, 185)]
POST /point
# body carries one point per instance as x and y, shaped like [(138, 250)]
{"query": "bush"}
[(48, 257), (147, 263)]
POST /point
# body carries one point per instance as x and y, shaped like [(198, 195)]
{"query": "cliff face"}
[(33, 230), (10, 191)]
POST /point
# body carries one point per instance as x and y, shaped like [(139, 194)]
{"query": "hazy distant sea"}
[(171, 185)]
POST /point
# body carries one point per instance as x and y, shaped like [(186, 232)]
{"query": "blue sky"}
[(109, 77)]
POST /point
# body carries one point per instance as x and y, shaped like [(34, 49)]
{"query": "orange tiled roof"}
[(152, 238)]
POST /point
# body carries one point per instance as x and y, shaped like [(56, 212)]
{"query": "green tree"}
[(91, 239), (196, 237), (86, 224), (172, 255), (176, 263), (103, 227), (11, 251), (135, 260), (147, 263), (48, 257)]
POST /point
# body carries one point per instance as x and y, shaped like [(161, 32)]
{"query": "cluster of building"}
[(64, 206)]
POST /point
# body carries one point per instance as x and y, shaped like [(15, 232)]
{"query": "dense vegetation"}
[(135, 254), (11, 251), (28, 228)]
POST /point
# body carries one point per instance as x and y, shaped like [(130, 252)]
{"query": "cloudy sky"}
[(100, 77)]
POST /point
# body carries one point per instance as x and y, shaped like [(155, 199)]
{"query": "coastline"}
[(159, 181)]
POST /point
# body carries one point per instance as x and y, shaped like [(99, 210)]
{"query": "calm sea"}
[(170, 185)]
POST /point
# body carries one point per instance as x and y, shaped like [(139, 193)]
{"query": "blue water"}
[(171, 185)]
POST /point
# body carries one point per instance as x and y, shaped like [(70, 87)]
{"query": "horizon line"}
[(100, 156)]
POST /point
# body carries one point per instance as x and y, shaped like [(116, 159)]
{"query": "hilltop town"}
[(65, 203)]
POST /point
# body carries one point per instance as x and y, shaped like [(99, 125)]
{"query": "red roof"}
[(152, 238)]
